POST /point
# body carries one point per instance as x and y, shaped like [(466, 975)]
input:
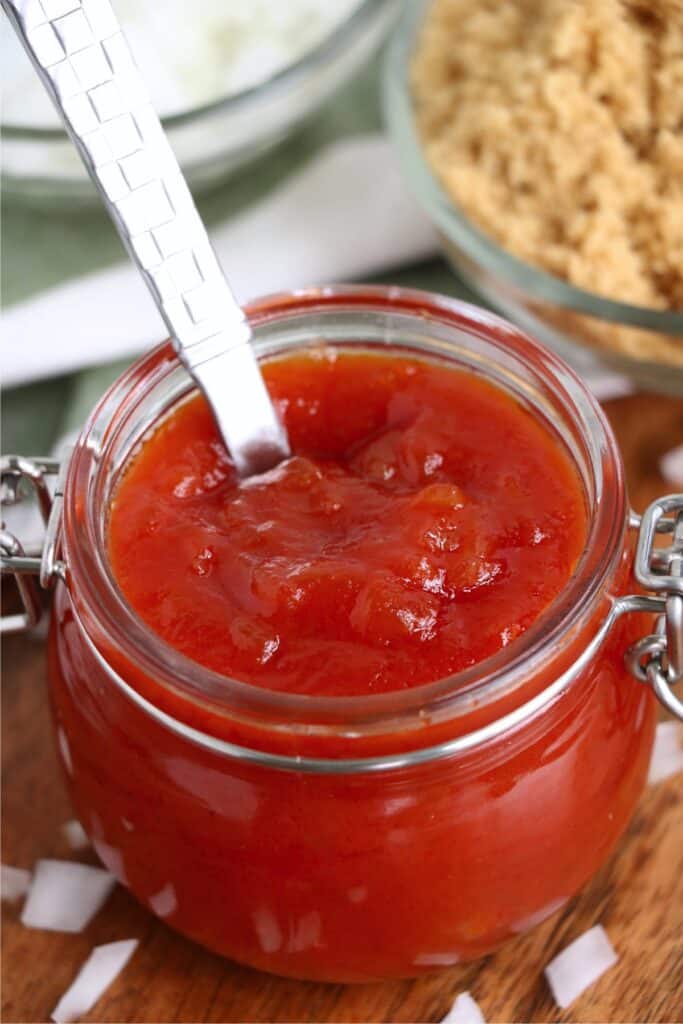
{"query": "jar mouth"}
[(380, 318)]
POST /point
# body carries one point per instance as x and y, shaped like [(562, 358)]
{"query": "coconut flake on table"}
[(671, 466), (103, 965), (578, 966), (75, 835), (65, 896), (14, 882), (667, 753), (465, 1010), (222, 49)]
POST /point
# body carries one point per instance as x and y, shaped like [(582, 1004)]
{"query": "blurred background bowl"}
[(585, 328), (216, 138)]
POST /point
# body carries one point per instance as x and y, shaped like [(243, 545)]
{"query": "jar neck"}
[(429, 327)]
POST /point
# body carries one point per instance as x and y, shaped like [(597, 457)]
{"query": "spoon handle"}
[(85, 63)]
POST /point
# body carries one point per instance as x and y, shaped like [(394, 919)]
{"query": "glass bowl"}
[(216, 138), (585, 328)]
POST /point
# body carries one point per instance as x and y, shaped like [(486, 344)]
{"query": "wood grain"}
[(638, 896)]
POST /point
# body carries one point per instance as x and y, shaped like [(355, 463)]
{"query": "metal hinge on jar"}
[(657, 659), (16, 472)]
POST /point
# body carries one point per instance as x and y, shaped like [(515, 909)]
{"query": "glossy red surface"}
[(424, 522)]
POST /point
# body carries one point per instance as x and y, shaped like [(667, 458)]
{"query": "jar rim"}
[(117, 627)]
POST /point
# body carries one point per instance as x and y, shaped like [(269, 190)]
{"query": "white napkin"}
[(345, 215)]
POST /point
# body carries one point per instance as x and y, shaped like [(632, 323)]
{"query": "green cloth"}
[(43, 247)]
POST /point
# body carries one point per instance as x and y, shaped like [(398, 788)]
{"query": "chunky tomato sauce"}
[(424, 521)]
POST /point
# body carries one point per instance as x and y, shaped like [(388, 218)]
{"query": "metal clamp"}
[(657, 659), (15, 472)]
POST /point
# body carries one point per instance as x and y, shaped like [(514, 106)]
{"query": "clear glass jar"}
[(349, 839)]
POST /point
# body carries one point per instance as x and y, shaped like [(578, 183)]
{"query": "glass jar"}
[(349, 839)]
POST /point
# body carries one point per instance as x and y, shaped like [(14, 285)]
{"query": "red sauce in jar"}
[(425, 520)]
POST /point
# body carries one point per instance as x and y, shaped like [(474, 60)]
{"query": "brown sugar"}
[(557, 127)]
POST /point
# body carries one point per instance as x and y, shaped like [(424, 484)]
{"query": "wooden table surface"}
[(638, 896)]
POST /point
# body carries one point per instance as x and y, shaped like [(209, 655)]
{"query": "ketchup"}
[(424, 521)]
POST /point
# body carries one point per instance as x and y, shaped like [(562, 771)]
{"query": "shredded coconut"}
[(65, 896), (667, 753), (579, 965), (75, 835), (671, 466), (14, 882), (103, 965), (222, 49), (464, 1011)]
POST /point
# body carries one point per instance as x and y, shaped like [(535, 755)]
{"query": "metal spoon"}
[(84, 62)]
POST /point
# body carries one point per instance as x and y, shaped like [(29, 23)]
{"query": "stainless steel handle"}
[(86, 66)]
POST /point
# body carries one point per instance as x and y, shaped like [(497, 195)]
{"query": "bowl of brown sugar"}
[(545, 141)]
